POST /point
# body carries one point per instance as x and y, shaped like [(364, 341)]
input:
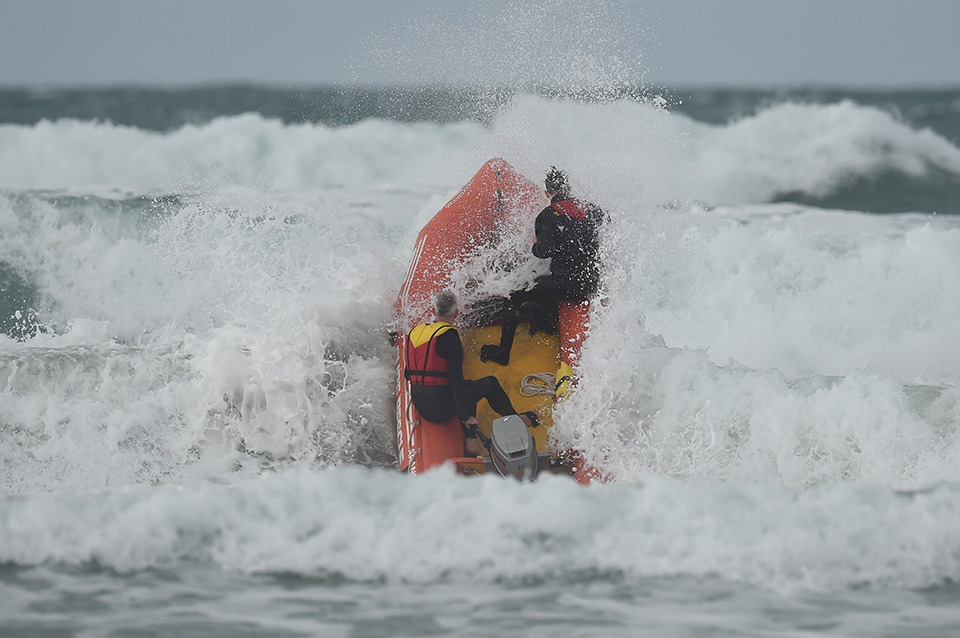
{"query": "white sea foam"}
[(803, 291), (620, 152), (752, 344), (774, 343), (375, 525), (230, 324), (812, 149), (246, 150), (760, 380)]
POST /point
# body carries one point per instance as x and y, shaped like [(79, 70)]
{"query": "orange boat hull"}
[(495, 195)]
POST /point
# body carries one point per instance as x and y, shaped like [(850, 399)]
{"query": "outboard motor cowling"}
[(513, 450)]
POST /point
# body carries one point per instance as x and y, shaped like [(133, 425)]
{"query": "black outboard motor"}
[(513, 452)]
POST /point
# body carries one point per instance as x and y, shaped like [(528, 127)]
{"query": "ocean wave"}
[(216, 338), (235, 330), (243, 331), (364, 525), (627, 150), (821, 150), (246, 150)]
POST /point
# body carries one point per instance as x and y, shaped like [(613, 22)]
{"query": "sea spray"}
[(251, 323)]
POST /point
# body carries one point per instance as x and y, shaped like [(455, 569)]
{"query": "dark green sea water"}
[(159, 109)]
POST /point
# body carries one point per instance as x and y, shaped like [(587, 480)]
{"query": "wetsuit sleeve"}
[(450, 348), (597, 217), (545, 229)]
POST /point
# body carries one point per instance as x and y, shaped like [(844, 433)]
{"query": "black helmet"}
[(557, 181)]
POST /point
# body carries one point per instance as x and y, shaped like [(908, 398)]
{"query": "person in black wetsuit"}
[(567, 233), (434, 367)]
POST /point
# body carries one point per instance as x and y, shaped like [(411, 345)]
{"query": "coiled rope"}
[(538, 383)]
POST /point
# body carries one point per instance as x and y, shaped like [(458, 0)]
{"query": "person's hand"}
[(472, 422)]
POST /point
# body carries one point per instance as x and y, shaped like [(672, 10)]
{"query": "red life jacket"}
[(571, 208), (423, 366)]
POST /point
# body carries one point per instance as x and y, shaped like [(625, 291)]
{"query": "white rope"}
[(539, 383)]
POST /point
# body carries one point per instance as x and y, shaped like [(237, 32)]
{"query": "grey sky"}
[(878, 43)]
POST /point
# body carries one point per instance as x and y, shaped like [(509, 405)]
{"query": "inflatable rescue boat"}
[(492, 202)]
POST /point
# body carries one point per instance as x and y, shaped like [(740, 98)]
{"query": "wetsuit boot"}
[(501, 354)]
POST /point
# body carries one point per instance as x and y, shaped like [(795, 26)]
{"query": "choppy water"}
[(196, 410)]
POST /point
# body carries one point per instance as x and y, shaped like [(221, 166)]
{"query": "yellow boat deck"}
[(529, 355)]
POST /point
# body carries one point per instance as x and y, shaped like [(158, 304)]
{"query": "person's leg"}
[(545, 318), (547, 288), (508, 329), (434, 402), (471, 444), (489, 388)]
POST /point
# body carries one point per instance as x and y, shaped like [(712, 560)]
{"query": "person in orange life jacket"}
[(567, 233), (434, 366)]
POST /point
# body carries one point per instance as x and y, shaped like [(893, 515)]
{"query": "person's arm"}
[(450, 348), (545, 229), (597, 216)]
